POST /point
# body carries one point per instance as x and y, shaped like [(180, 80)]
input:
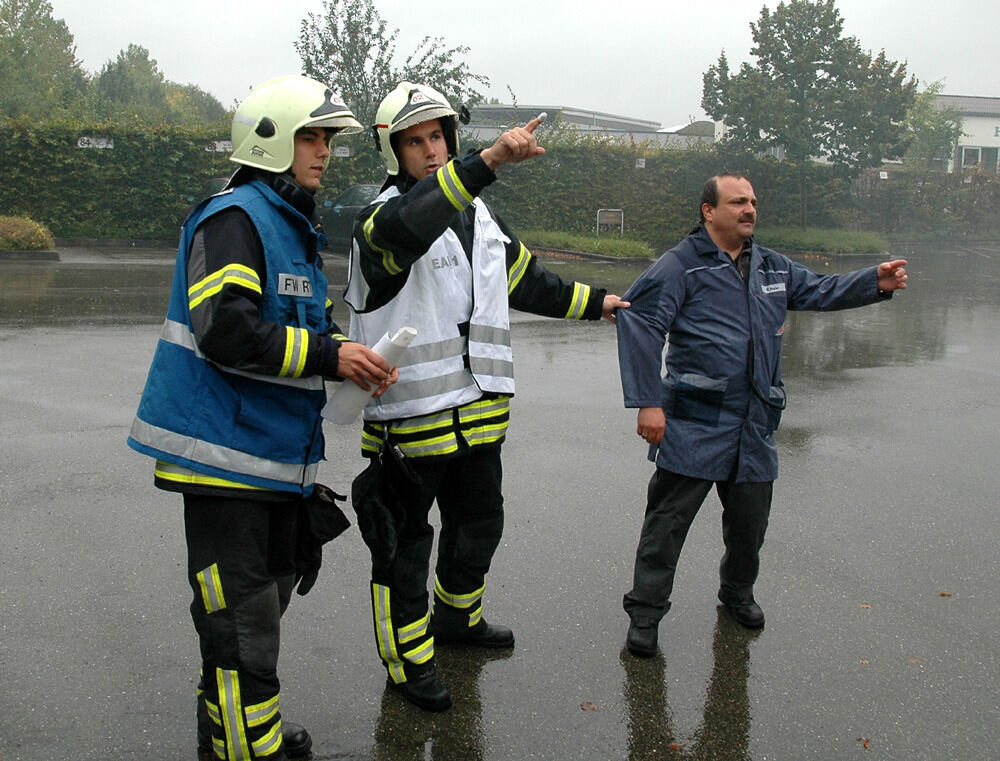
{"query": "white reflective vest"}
[(460, 312)]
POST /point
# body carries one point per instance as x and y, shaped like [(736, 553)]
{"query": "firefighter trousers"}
[(241, 568)]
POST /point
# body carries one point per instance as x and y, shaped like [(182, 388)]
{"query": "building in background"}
[(489, 120), (979, 145)]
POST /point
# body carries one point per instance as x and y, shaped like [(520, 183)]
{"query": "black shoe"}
[(749, 614), (294, 737), (425, 691), (480, 635), (641, 637)]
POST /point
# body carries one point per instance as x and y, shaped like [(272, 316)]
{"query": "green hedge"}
[(142, 186)]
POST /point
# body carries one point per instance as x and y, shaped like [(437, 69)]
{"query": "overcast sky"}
[(643, 59)]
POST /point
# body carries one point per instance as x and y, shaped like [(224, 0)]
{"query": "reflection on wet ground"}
[(878, 573)]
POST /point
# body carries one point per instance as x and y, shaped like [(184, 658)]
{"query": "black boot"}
[(642, 636), (480, 635), (424, 689), (450, 626)]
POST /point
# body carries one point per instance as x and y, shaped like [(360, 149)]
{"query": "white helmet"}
[(405, 106), (265, 123)]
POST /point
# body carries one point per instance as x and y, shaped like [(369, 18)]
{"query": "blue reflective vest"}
[(260, 431)]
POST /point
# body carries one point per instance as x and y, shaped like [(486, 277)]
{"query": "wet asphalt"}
[(877, 578)]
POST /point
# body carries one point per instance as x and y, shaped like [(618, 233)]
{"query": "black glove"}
[(320, 520), (378, 505)]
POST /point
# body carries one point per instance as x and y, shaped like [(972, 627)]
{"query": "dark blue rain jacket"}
[(716, 425)]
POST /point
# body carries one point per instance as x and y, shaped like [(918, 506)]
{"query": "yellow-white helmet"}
[(265, 123), (405, 106)]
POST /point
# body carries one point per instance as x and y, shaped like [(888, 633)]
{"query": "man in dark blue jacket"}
[(711, 419)]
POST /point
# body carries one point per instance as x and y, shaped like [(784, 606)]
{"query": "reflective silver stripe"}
[(476, 616), (296, 348), (178, 334), (262, 712), (458, 601), (497, 368), (431, 352), (230, 702), (211, 589), (413, 631), (485, 410), (516, 272), (383, 633), (487, 433), (421, 653), (422, 423), (488, 334), (442, 384), (453, 189), (581, 294), (215, 455), (237, 274), (445, 444), (269, 743)]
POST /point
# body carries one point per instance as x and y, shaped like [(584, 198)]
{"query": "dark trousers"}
[(469, 498), (672, 501), (241, 567), (468, 493)]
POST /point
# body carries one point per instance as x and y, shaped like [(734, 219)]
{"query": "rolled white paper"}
[(349, 399)]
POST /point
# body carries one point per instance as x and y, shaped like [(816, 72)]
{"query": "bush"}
[(607, 245), (23, 234)]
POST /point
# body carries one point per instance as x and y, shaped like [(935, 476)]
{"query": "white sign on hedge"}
[(96, 142)]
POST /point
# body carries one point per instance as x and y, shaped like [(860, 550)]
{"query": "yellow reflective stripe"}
[(383, 633), (436, 445), (484, 434), (211, 589), (296, 349), (476, 616), (262, 712), (340, 337), (231, 274), (581, 294), (388, 260), (484, 409), (516, 272), (181, 475), (269, 744), (458, 601), (232, 715), (421, 424), (421, 653), (412, 631), (453, 189)]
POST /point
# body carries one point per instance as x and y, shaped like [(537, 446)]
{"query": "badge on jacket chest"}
[(294, 285)]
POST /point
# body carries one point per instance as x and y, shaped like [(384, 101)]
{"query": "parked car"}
[(338, 215)]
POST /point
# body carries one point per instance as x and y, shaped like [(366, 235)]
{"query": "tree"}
[(349, 47), (134, 82), (932, 133), (813, 93), (132, 88), (40, 76)]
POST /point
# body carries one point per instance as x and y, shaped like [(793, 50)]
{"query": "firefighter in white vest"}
[(232, 407), (428, 253)]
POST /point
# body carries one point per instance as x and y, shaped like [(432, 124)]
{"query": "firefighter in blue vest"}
[(430, 254), (232, 406)]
